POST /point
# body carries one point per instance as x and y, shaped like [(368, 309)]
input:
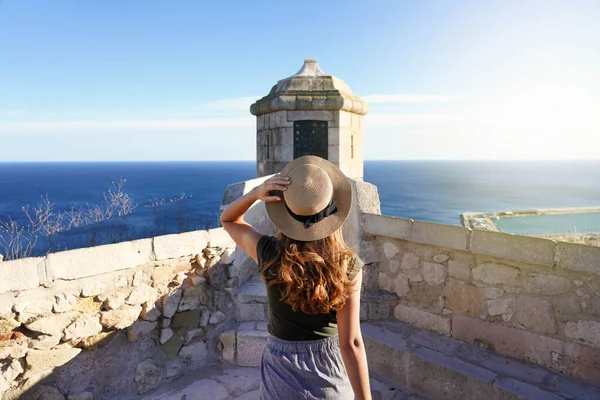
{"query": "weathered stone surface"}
[(250, 347), (4, 386), (64, 302), (174, 369), (568, 307), (216, 276), (517, 343), (492, 292), (88, 305), (548, 285), (527, 249), (33, 304), (97, 341), (165, 322), (440, 258), (173, 246), (442, 376), (7, 325), (116, 299), (192, 297), (586, 331), (140, 328), (45, 342), (165, 335), (171, 347), (13, 349), (459, 269), (228, 343), (93, 289), (578, 257), (193, 334), (12, 369), (81, 396), (147, 376), (414, 275), (228, 256), (121, 282), (195, 352), (410, 261), (390, 249), (433, 274), (44, 361), (426, 296), (92, 261), (503, 307), (449, 236), (535, 314), (170, 302), (422, 319), (464, 299), (186, 319), (149, 311), (384, 282), (582, 361), (53, 325), (253, 292), (401, 286), (593, 306), (83, 326), (164, 274), (204, 317), (20, 274), (219, 237), (141, 294), (216, 318), (252, 311), (494, 274), (378, 311), (121, 318), (46, 392), (394, 265)]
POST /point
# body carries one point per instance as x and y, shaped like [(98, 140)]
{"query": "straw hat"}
[(316, 202)]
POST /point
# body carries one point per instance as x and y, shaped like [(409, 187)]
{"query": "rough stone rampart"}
[(115, 319), (530, 298)]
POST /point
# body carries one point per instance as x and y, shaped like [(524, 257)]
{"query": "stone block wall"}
[(275, 139), (533, 299), (116, 319)]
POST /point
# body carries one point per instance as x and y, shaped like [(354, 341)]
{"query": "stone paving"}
[(224, 382)]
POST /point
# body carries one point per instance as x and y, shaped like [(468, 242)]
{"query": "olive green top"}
[(285, 323)]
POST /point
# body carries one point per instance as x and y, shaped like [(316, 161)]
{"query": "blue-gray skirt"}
[(311, 369)]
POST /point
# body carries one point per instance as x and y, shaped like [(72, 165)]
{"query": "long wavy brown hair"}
[(314, 276)]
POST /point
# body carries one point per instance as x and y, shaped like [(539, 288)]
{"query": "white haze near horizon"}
[(547, 122)]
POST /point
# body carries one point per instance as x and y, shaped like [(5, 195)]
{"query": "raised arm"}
[(352, 345), (242, 233)]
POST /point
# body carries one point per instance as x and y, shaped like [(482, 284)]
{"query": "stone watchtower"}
[(310, 113)]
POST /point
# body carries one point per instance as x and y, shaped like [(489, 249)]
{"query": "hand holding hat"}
[(267, 192)]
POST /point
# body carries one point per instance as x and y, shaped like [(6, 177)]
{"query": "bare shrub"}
[(16, 240), (19, 240)]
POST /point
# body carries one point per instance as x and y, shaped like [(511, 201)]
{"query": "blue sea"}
[(181, 196)]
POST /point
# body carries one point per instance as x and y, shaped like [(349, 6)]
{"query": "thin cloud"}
[(182, 124), (236, 103), (408, 98)]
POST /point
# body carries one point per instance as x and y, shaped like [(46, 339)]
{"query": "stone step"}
[(252, 301), (244, 345), (385, 389), (443, 368)]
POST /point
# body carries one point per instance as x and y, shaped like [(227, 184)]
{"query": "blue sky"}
[(155, 80)]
